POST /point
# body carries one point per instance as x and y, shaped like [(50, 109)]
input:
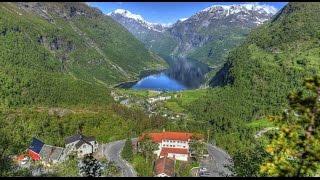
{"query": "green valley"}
[(60, 64)]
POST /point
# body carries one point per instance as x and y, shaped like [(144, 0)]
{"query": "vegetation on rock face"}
[(295, 148), (60, 61), (57, 62), (264, 69)]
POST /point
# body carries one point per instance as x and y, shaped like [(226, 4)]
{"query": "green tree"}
[(112, 170), (295, 148), (247, 163), (198, 148), (127, 152), (90, 167), (147, 146)]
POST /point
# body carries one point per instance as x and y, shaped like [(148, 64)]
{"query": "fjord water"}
[(182, 74), (159, 82)]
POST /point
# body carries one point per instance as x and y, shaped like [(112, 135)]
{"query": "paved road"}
[(215, 163), (113, 153)]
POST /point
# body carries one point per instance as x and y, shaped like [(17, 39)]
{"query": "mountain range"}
[(206, 36)]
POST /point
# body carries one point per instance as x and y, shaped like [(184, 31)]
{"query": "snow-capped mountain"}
[(197, 35), (260, 13), (218, 23), (125, 17)]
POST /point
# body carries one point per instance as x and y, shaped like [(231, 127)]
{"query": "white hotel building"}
[(171, 144)]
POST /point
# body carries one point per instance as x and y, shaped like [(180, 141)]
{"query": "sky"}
[(166, 12)]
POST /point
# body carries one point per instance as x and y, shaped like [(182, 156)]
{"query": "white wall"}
[(175, 144)]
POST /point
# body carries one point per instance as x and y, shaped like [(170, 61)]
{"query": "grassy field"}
[(260, 124), (181, 100), (142, 167)]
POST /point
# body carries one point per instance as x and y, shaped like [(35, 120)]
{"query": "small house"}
[(35, 148), (81, 145)]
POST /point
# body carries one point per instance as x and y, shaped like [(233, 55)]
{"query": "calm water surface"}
[(160, 82), (183, 73)]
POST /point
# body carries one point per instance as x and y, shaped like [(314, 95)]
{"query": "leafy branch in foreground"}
[(295, 149)]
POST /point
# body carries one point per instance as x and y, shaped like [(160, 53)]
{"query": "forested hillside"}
[(259, 74), (64, 53), (57, 64)]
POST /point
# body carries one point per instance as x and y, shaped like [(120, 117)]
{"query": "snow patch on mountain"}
[(233, 9), (128, 14), (152, 26), (183, 19)]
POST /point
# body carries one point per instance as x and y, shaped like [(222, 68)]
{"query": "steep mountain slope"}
[(64, 52), (262, 71), (217, 29), (57, 61), (153, 35), (206, 36)]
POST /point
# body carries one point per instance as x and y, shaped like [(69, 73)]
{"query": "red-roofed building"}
[(164, 167), (171, 144)]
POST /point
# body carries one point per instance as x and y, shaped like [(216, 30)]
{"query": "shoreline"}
[(142, 74)]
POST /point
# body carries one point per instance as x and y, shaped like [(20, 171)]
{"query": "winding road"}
[(112, 151), (215, 163)]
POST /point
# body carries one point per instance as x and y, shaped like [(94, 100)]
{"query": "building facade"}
[(171, 144), (81, 145)]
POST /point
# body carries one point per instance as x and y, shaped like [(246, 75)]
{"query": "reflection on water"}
[(159, 82), (182, 74), (189, 72)]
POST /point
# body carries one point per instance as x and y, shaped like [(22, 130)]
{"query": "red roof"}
[(165, 151), (35, 156), (164, 165), (158, 137)]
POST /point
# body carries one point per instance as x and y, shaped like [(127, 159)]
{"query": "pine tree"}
[(295, 148)]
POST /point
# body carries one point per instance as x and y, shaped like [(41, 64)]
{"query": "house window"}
[(84, 146), (80, 151), (184, 146)]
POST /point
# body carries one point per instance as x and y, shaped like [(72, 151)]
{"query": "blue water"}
[(159, 82)]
